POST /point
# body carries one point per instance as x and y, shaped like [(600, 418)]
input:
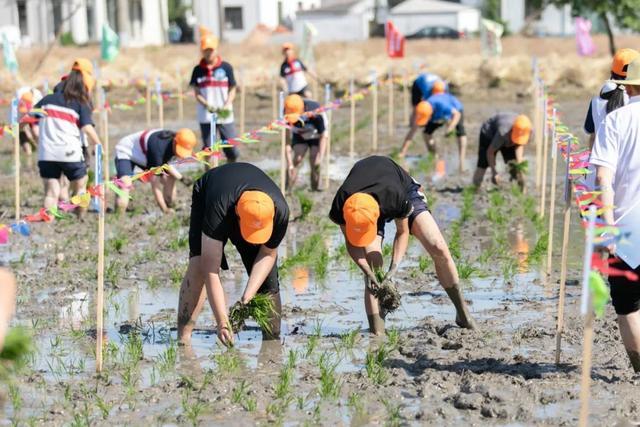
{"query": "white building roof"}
[(428, 6)]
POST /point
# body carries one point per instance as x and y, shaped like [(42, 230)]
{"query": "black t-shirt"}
[(223, 186), (313, 126), (589, 125), (416, 93), (159, 148), (224, 77), (381, 178)]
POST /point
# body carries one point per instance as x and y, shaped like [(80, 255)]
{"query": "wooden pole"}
[(148, 102), (545, 157), (100, 289), (15, 127), (274, 99), (242, 101), (160, 102), (283, 147), (352, 119), (405, 97), (213, 138), (327, 100), (552, 200), (374, 113), (538, 131), (563, 262), (180, 95), (391, 122)]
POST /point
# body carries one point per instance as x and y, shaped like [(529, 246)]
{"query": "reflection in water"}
[(300, 280), (520, 247), (76, 312)]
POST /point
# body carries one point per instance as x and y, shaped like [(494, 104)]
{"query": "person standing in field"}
[(378, 191), (149, 149), (67, 116), (616, 157), (292, 73), (214, 86), (612, 95), (421, 90), (308, 132), (240, 203), (507, 133)]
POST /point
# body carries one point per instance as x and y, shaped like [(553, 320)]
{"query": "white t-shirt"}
[(128, 148), (617, 147), (598, 111), (293, 73)]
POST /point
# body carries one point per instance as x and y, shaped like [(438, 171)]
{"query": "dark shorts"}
[(226, 131), (54, 170), (247, 251), (508, 153), (625, 293), (431, 127), (25, 140), (125, 167), (419, 203), (310, 142)]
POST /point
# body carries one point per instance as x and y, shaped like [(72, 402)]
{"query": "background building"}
[(412, 15)]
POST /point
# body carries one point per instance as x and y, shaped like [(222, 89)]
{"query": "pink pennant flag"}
[(584, 42), (4, 234)]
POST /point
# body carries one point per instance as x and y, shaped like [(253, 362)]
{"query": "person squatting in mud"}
[(148, 149), (308, 132), (506, 133), (236, 202), (375, 192)]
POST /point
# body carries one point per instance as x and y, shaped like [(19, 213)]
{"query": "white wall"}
[(408, 24), (556, 22), (335, 27), (512, 11), (469, 21)]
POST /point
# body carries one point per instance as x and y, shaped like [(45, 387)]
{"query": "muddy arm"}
[(262, 266), (358, 255), (210, 261), (400, 244)]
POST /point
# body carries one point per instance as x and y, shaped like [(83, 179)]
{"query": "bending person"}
[(152, 148), (375, 192), (236, 202)]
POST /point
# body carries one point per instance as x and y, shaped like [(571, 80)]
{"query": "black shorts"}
[(419, 203), (125, 167), (310, 142), (431, 127), (54, 170), (508, 153), (247, 251), (25, 140), (625, 293), (226, 131)]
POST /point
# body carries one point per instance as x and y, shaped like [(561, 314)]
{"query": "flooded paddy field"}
[(326, 369)]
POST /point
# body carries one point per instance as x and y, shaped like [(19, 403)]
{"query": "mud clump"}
[(388, 296)]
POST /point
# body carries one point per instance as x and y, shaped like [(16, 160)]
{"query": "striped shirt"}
[(213, 82)]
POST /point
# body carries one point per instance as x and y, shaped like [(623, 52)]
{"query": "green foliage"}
[(374, 365), (313, 254), (260, 309), (17, 345), (306, 205)]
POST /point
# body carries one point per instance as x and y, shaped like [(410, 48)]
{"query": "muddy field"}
[(327, 370)]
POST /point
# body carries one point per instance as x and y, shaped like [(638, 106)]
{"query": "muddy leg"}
[(192, 298), (299, 150), (430, 142), (629, 325), (478, 176), (371, 305), (275, 319), (169, 191), (316, 155), (426, 230)]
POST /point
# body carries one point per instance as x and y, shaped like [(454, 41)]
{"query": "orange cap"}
[(183, 143), (293, 108), (438, 87), (256, 211), (424, 111), (286, 46), (208, 41), (622, 59), (85, 67), (361, 212), (521, 130)]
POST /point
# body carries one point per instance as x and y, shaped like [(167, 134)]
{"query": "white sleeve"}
[(605, 147)]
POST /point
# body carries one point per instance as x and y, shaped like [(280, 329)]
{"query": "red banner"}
[(395, 41)]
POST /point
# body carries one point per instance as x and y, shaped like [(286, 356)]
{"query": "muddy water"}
[(436, 374)]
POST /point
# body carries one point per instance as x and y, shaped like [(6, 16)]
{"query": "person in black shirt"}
[(149, 149), (308, 131), (375, 192), (236, 202)]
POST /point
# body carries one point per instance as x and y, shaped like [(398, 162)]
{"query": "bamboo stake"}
[(100, 290), (545, 157), (391, 104), (242, 101), (587, 311), (327, 100), (283, 147), (180, 95), (352, 120), (213, 137), (374, 118), (148, 103), (274, 99), (405, 96), (552, 201), (16, 154), (563, 262), (160, 102), (538, 131)]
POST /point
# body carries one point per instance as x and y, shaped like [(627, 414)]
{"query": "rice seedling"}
[(387, 250), (173, 224), (330, 386), (176, 274), (152, 230), (153, 283), (81, 419), (466, 212), (495, 215), (300, 402), (465, 269), (374, 365), (15, 397), (228, 362), (539, 250), (393, 413), (454, 240), (132, 350), (167, 359), (118, 243), (103, 406), (306, 205), (239, 392), (354, 401), (129, 380), (314, 338), (393, 338), (313, 253), (192, 410), (292, 359), (349, 339), (178, 243), (17, 345), (283, 386), (278, 408), (424, 263), (260, 309), (249, 404), (509, 269)]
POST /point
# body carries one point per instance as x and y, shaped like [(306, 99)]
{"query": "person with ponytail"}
[(65, 119), (612, 95)]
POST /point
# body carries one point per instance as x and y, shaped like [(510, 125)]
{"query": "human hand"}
[(450, 133), (225, 336), (169, 211), (495, 178), (186, 180), (211, 108)]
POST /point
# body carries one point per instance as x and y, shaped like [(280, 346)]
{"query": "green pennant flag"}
[(110, 46), (9, 55)]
